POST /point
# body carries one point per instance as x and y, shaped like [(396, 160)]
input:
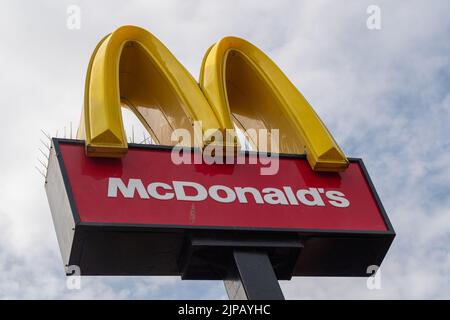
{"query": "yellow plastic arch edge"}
[(323, 153), (101, 124)]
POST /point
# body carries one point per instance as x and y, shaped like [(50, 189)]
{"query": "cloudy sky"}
[(384, 94)]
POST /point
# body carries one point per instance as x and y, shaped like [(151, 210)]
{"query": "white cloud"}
[(384, 95)]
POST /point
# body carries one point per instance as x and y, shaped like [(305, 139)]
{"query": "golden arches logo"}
[(238, 86)]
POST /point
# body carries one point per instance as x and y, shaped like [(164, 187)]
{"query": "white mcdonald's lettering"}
[(193, 191)]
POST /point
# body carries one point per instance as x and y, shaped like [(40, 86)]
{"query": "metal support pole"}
[(253, 277)]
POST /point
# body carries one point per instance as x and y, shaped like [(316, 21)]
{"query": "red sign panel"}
[(147, 188)]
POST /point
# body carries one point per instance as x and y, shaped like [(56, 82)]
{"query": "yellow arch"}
[(246, 87), (131, 67)]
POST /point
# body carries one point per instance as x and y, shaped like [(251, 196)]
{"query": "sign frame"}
[(85, 244)]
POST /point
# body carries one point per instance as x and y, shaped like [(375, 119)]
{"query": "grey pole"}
[(253, 277)]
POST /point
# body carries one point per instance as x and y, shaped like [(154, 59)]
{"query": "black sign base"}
[(249, 265), (210, 256)]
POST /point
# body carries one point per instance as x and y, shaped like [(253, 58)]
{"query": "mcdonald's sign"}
[(122, 208)]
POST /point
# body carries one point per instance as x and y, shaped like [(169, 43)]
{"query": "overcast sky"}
[(384, 94)]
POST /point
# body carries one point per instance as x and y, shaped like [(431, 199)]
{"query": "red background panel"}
[(88, 178)]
